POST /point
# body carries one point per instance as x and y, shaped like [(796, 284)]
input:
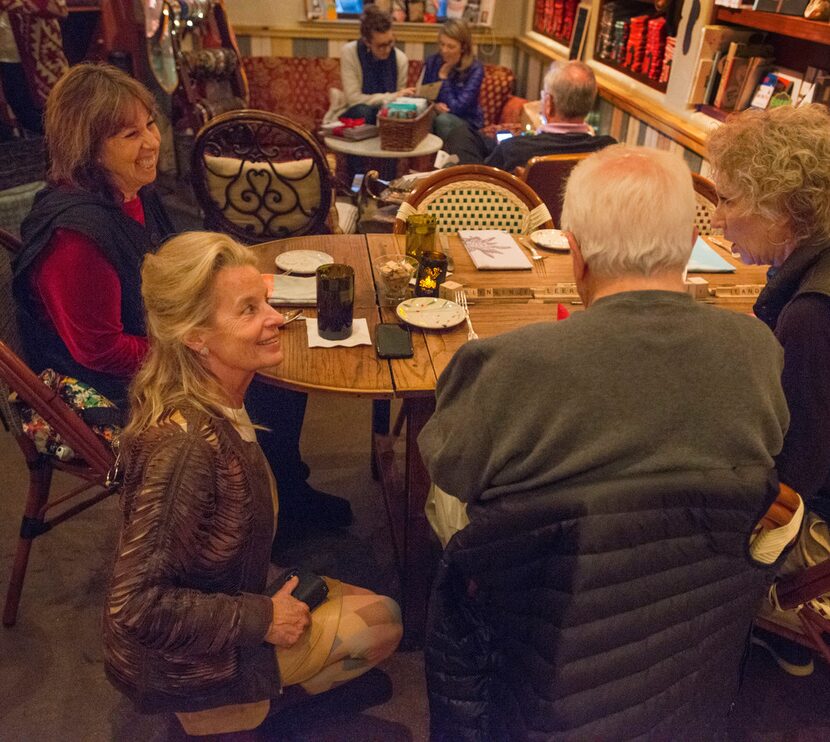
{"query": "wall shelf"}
[(777, 23)]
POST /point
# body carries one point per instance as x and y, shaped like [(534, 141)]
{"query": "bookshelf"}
[(777, 23)]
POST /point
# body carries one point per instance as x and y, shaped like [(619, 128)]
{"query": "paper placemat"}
[(360, 335), (491, 249), (298, 290), (705, 260)]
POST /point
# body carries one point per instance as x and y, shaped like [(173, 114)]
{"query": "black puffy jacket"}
[(609, 611)]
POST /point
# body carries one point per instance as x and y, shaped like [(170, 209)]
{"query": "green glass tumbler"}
[(420, 234), (335, 301)]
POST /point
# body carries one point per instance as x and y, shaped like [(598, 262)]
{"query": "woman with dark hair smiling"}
[(77, 280)]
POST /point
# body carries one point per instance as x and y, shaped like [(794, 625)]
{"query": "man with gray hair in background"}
[(568, 96), (613, 467)]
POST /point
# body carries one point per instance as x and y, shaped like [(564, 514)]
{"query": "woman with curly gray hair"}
[(772, 173)]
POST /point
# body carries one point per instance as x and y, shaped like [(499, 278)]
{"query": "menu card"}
[(705, 260), (492, 249)]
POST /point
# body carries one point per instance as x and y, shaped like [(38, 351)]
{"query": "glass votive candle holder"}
[(420, 234), (432, 270)]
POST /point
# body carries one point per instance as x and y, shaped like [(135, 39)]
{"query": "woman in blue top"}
[(461, 73)]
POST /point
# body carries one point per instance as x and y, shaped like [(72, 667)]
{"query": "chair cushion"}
[(79, 397), (263, 195)]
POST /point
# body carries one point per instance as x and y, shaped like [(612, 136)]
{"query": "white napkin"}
[(359, 336), (283, 289)]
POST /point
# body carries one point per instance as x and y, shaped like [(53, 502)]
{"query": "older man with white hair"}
[(613, 467)]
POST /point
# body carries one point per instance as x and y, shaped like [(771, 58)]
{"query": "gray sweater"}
[(641, 382)]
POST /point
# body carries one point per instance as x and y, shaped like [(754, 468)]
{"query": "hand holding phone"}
[(291, 616), (393, 341)]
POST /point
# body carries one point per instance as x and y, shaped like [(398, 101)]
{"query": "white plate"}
[(429, 313), (302, 261), (551, 239)]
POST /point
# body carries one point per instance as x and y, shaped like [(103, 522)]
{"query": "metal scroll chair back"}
[(547, 175), (476, 197), (93, 461), (260, 177)]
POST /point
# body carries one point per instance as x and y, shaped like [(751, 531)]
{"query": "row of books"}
[(555, 18), (636, 42), (735, 72)]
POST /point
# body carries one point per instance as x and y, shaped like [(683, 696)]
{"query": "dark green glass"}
[(335, 301)]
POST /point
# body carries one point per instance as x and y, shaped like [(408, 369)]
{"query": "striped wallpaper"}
[(267, 46)]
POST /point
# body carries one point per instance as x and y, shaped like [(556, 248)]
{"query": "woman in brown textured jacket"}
[(187, 627)]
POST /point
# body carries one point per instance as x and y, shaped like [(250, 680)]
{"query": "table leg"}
[(419, 552), (381, 410)]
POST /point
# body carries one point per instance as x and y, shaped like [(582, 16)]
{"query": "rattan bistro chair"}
[(798, 592), (476, 197), (259, 177), (93, 461), (706, 201)]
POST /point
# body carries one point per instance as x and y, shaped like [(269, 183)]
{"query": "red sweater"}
[(80, 295)]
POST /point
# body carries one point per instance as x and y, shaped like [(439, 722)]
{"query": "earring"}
[(204, 351)]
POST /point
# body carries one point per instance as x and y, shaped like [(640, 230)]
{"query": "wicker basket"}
[(401, 135)]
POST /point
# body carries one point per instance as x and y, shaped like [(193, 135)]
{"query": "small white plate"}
[(551, 239), (429, 313), (302, 261)]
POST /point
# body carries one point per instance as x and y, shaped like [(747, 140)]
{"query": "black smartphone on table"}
[(393, 341)]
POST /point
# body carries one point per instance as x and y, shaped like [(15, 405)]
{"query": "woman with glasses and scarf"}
[(373, 71)]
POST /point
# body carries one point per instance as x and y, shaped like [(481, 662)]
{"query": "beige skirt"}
[(297, 664)]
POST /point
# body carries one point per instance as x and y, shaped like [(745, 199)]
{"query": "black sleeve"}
[(804, 331)]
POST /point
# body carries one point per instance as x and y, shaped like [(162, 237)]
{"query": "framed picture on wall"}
[(580, 31)]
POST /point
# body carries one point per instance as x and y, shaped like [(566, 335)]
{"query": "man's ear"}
[(547, 107), (577, 260)]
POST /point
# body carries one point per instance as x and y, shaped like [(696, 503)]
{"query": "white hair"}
[(632, 210), (573, 87)]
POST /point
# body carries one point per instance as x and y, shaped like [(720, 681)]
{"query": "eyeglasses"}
[(384, 45)]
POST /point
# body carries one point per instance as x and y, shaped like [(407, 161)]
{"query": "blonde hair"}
[(632, 210), (177, 288), (778, 161), (459, 30), (89, 104)]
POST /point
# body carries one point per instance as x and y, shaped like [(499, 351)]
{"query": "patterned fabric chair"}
[(259, 177), (706, 198), (476, 197), (94, 460)]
